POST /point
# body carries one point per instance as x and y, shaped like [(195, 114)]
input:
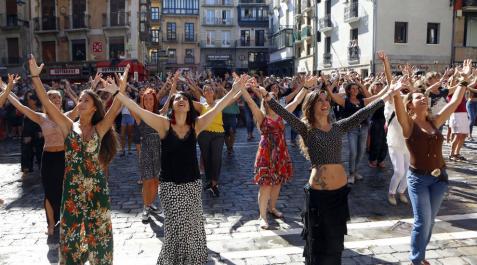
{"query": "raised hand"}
[(240, 82), (123, 79), (13, 79), (35, 70), (466, 68), (310, 81)]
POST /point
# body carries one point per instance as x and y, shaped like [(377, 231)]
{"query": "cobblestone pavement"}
[(378, 232)]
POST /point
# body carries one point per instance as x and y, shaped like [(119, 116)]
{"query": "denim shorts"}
[(127, 119), (230, 122)]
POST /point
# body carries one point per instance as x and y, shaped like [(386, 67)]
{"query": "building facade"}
[(304, 35), (465, 31), (155, 52), (282, 55), (74, 34), (179, 34), (353, 31), (15, 37)]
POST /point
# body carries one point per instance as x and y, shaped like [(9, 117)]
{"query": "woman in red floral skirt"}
[(273, 165)]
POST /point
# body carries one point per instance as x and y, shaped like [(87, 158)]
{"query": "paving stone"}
[(453, 261), (258, 261), (279, 259)]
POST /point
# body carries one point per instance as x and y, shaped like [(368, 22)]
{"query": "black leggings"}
[(211, 145), (52, 172), (324, 218), (378, 147)]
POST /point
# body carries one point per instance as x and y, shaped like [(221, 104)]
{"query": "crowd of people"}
[(71, 131)]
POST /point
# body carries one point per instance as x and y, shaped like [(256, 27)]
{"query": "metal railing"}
[(116, 19), (215, 21), (351, 11), (180, 11), (189, 60), (172, 60), (218, 44), (325, 22), (353, 53), (77, 21), (327, 59), (48, 23), (306, 32), (190, 38), (217, 2), (10, 21)]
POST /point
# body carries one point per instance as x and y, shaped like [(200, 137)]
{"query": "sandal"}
[(276, 213), (460, 158), (382, 165), (372, 164), (50, 231), (263, 224)]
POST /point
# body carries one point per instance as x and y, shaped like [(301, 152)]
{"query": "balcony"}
[(351, 13), (252, 2), (282, 39), (215, 21), (252, 43), (353, 54), (180, 11), (12, 22), (306, 6), (190, 38), (214, 3), (171, 60), (469, 5), (189, 60), (306, 32), (218, 44), (116, 20), (76, 22), (253, 20), (327, 60), (45, 25), (325, 24)]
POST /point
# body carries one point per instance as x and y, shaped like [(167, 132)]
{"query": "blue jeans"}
[(426, 193), (472, 112), (357, 146), (249, 123)]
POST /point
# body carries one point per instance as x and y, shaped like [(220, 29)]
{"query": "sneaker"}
[(460, 158), (351, 179), (403, 198), (215, 191), (154, 209), (145, 215), (263, 224), (392, 199), (358, 176)]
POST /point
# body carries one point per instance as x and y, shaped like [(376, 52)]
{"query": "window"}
[(78, 50), (210, 38), (154, 56), (171, 31), (226, 38), (471, 32), (172, 53), (181, 7), (400, 32), (245, 37), (189, 31), (13, 51), (155, 13), (308, 49), (247, 14), (226, 17), (155, 35), (48, 49), (353, 34), (328, 45), (116, 47), (259, 37), (432, 33), (189, 53)]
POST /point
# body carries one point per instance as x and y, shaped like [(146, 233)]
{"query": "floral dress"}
[(85, 225), (272, 163)]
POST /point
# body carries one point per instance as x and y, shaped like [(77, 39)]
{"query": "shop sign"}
[(218, 57), (97, 46), (63, 71), (111, 69)]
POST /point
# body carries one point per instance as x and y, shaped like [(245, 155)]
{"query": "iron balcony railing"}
[(218, 44), (325, 22), (353, 53), (189, 60), (172, 60), (327, 59), (351, 11), (47, 23), (77, 21), (116, 19), (215, 21), (190, 38), (217, 2)]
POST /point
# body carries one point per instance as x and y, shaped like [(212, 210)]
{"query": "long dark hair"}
[(109, 143), (348, 88), (308, 116), (191, 114)]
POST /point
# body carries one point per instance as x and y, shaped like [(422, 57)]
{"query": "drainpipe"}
[(453, 35), (373, 65)]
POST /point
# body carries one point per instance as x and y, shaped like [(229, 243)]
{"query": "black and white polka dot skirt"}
[(184, 232)]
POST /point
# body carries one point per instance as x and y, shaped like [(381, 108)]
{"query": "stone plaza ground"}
[(377, 234)]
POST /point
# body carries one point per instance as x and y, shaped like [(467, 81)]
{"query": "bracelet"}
[(464, 83), (115, 93), (33, 76)]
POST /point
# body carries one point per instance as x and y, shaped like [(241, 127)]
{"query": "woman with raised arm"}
[(356, 98), (90, 144), (184, 233), (326, 193), (273, 165), (53, 156), (149, 156), (427, 178)]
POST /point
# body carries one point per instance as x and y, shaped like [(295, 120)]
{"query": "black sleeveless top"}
[(179, 158), (350, 109)]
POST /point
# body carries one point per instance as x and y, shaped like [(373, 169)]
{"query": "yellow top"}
[(217, 124)]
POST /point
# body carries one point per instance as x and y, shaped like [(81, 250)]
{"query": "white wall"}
[(282, 17), (417, 14), (340, 35)]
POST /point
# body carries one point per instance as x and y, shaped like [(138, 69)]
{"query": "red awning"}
[(135, 66)]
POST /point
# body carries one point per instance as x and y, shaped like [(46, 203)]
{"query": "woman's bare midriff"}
[(328, 177), (54, 148)]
